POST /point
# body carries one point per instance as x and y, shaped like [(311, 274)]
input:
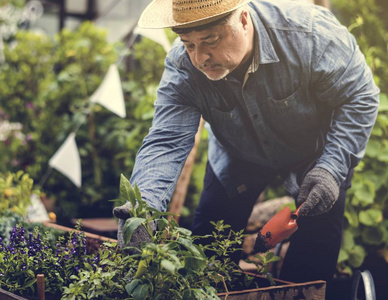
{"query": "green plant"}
[(106, 278), (175, 265), (15, 192)]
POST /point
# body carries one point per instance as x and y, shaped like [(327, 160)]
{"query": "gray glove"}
[(139, 236), (319, 192)]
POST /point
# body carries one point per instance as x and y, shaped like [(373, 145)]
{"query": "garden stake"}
[(40, 285)]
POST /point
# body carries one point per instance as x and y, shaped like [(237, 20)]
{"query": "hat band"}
[(184, 11)]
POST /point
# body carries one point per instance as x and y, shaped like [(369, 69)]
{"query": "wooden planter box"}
[(313, 290), (4, 295)]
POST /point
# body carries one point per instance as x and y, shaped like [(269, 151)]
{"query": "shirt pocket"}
[(228, 123), (230, 129), (294, 119), (293, 113)]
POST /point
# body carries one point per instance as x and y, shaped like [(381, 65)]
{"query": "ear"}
[(244, 18)]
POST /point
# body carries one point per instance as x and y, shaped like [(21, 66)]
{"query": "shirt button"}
[(241, 188)]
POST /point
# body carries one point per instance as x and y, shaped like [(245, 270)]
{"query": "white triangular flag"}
[(157, 35), (110, 93), (67, 161)]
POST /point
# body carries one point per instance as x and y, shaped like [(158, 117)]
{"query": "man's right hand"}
[(139, 236)]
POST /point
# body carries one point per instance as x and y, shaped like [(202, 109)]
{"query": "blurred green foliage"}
[(366, 227), (45, 86)]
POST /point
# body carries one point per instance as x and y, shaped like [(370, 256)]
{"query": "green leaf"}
[(357, 256), (370, 217), (343, 256), (162, 224), (168, 265), (29, 283), (130, 287), (351, 216), (194, 263), (119, 201), (348, 240), (372, 236), (269, 255), (273, 259), (130, 226), (365, 195), (373, 148), (184, 231), (126, 190), (383, 107), (383, 155), (137, 193), (189, 246), (141, 292)]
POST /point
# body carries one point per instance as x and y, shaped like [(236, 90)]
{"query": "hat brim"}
[(158, 14)]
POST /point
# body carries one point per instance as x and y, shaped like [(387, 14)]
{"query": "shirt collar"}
[(255, 58), (263, 45)]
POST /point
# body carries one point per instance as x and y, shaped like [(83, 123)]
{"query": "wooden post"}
[(324, 3), (178, 199), (40, 286)]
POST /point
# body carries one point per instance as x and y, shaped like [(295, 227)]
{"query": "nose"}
[(202, 56)]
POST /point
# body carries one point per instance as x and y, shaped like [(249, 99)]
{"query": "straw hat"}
[(186, 13)]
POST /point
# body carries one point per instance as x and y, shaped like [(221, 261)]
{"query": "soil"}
[(261, 244)]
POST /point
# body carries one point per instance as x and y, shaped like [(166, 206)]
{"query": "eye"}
[(212, 43), (189, 47)]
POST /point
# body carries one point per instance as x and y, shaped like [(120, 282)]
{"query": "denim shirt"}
[(311, 100)]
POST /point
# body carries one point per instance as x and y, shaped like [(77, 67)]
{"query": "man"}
[(285, 91)]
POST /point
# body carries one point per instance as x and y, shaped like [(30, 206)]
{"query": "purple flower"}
[(96, 258), (30, 105)]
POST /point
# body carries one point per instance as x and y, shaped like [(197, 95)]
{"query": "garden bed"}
[(283, 290)]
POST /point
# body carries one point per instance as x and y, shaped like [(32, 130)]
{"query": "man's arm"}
[(163, 153), (343, 81)]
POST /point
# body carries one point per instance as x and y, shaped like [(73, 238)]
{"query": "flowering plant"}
[(28, 254)]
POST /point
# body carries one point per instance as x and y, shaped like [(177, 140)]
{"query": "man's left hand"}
[(318, 193)]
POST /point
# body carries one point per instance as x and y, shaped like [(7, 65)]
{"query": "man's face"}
[(219, 50)]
